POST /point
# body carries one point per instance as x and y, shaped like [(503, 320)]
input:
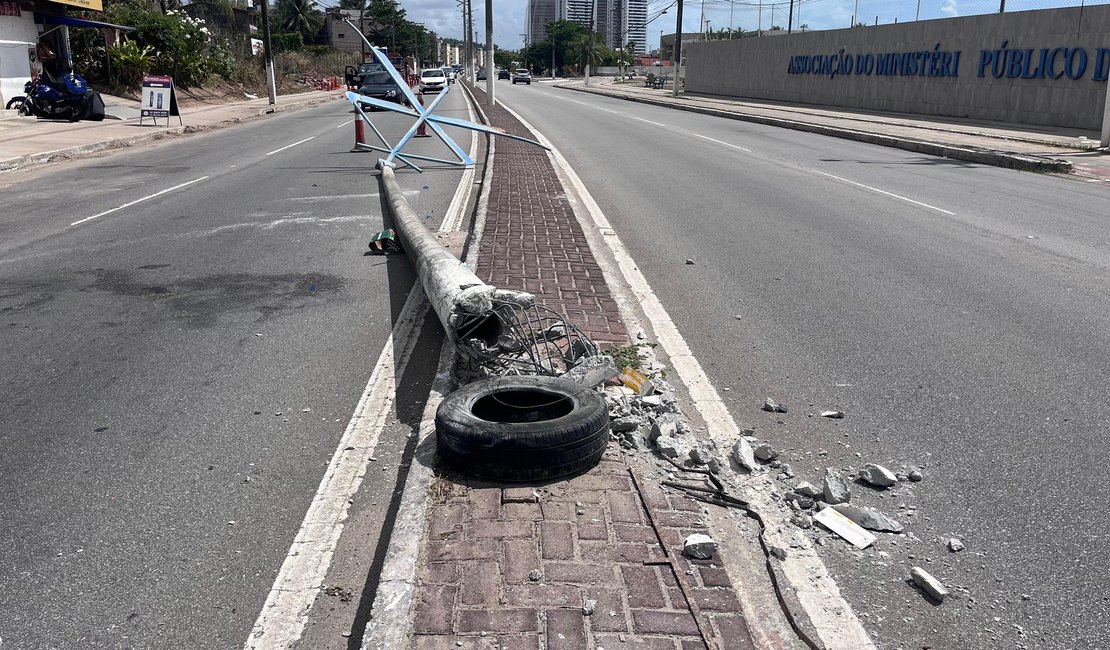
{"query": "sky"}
[(445, 18)]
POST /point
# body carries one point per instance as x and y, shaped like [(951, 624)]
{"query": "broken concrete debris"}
[(699, 547), (802, 521), (743, 455), (633, 440), (536, 575), (955, 545), (778, 552), (667, 446), (878, 475), (771, 406), (663, 426), (835, 487), (915, 476), (931, 585), (869, 519), (588, 607), (836, 415), (807, 489), (765, 452), (701, 454), (624, 423), (592, 370)]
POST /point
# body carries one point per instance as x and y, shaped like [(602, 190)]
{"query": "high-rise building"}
[(618, 21)]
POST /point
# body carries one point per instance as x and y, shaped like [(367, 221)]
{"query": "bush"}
[(130, 62), (292, 42)]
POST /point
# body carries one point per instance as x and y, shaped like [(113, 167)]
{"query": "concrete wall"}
[(761, 67)]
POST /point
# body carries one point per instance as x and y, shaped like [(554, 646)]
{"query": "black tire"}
[(15, 104), (522, 428)]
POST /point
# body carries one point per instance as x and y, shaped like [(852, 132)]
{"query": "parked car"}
[(522, 76), (432, 79), (380, 85), (503, 73)]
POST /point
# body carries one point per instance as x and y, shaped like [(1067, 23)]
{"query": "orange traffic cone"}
[(421, 132), (360, 135)]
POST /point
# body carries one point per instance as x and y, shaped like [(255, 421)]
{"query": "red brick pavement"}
[(589, 537), (533, 242)]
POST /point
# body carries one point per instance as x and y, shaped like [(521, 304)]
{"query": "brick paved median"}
[(505, 566)]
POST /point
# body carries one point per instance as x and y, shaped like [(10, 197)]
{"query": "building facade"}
[(618, 21)]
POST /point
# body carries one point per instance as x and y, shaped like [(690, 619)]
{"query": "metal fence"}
[(722, 19)]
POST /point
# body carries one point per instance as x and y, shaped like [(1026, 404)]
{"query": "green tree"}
[(299, 16), (587, 50)]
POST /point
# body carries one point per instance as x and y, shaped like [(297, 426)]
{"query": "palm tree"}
[(299, 16), (586, 50)]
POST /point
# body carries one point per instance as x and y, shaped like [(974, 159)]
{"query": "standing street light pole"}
[(677, 49), (489, 54)]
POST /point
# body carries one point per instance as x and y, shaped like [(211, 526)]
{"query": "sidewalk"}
[(1024, 147), (516, 567), (26, 141)]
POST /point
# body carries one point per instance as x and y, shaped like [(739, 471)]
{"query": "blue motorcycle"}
[(65, 99)]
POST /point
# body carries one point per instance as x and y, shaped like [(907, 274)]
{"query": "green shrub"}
[(292, 42), (130, 62)]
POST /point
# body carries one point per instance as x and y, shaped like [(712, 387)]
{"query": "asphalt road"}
[(185, 331), (959, 314)]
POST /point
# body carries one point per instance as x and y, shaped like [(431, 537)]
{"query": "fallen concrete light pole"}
[(465, 305)]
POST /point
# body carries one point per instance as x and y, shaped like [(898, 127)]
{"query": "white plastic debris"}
[(845, 527), (699, 547), (878, 475), (931, 585), (869, 519), (832, 414)]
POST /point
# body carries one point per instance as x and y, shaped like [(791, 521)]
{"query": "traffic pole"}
[(421, 132)]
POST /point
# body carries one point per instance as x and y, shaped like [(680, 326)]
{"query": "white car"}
[(449, 72), (432, 79)]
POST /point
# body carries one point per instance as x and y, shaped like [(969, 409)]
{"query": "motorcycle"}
[(67, 99)]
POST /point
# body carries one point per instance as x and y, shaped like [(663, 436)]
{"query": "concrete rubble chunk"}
[(765, 452), (701, 455), (931, 585), (878, 475), (869, 519), (664, 426), (699, 547), (955, 545), (625, 423), (536, 575), (807, 489), (771, 406), (778, 552), (836, 415), (589, 607), (835, 488), (667, 446), (743, 454), (634, 440), (915, 476), (591, 371), (802, 521)]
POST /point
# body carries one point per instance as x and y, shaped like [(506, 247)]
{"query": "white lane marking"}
[(648, 121), (891, 194), (291, 145), (145, 198), (734, 146), (284, 617), (815, 589), (345, 124)]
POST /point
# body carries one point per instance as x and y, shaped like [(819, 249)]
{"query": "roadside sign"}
[(158, 99)]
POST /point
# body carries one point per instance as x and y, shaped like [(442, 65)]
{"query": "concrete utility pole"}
[(677, 49), (489, 54), (268, 53)]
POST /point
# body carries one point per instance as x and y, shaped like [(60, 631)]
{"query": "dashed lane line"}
[(145, 198), (291, 145), (884, 192)]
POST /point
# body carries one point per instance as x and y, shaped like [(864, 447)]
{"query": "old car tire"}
[(522, 428)]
